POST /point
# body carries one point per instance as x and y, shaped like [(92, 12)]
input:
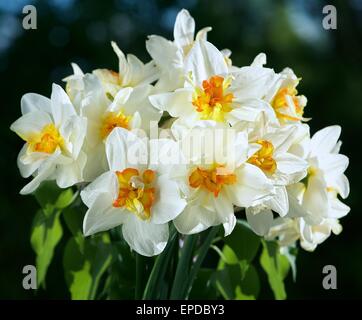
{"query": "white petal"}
[(204, 61), (102, 216), (324, 140), (31, 124), (61, 106), (124, 149), (229, 224), (342, 185), (70, 174), (144, 237), (120, 99), (333, 164), (260, 222), (251, 185), (168, 203), (315, 199), (46, 169), (73, 131), (165, 53), (177, 104), (289, 164), (338, 209), (34, 102), (279, 203), (184, 29), (28, 168), (105, 183), (195, 219)]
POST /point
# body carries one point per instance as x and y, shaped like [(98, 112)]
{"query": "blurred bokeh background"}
[(289, 32)]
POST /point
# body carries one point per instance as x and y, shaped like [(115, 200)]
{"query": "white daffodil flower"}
[(209, 92), (218, 178), (137, 193), (130, 109), (170, 55), (317, 194), (282, 168), (132, 72), (54, 136), (315, 208), (284, 99)]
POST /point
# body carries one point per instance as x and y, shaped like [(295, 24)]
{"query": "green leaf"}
[(276, 267), (73, 218), (243, 241), (65, 199), (83, 270), (47, 230), (45, 235), (236, 279), (250, 285), (227, 280)]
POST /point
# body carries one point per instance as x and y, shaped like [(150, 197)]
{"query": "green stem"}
[(200, 259), (159, 269), (183, 267), (140, 270)]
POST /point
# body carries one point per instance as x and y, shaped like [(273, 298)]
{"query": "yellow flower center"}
[(263, 158), (136, 193), (280, 104), (212, 179), (47, 140), (113, 120), (211, 100)]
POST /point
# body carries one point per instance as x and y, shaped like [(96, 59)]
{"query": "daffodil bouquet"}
[(156, 166)]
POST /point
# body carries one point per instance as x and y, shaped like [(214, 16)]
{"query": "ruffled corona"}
[(263, 158), (135, 191), (114, 120), (48, 140), (211, 179), (211, 100)]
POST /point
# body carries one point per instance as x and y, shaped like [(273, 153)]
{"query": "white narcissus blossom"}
[(282, 168), (54, 136), (314, 203), (170, 55), (132, 72), (137, 194), (218, 177), (130, 109), (284, 99), (210, 92)]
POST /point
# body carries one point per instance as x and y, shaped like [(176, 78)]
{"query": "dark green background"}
[(289, 32)]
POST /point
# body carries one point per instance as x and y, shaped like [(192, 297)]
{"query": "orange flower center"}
[(136, 193), (282, 101), (212, 179), (47, 141), (113, 120), (211, 101), (263, 158)]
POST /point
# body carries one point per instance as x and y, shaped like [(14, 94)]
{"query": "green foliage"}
[(46, 233), (236, 279), (85, 264), (47, 230), (276, 267), (244, 242)]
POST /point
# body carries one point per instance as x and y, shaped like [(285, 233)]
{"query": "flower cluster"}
[(187, 138)]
